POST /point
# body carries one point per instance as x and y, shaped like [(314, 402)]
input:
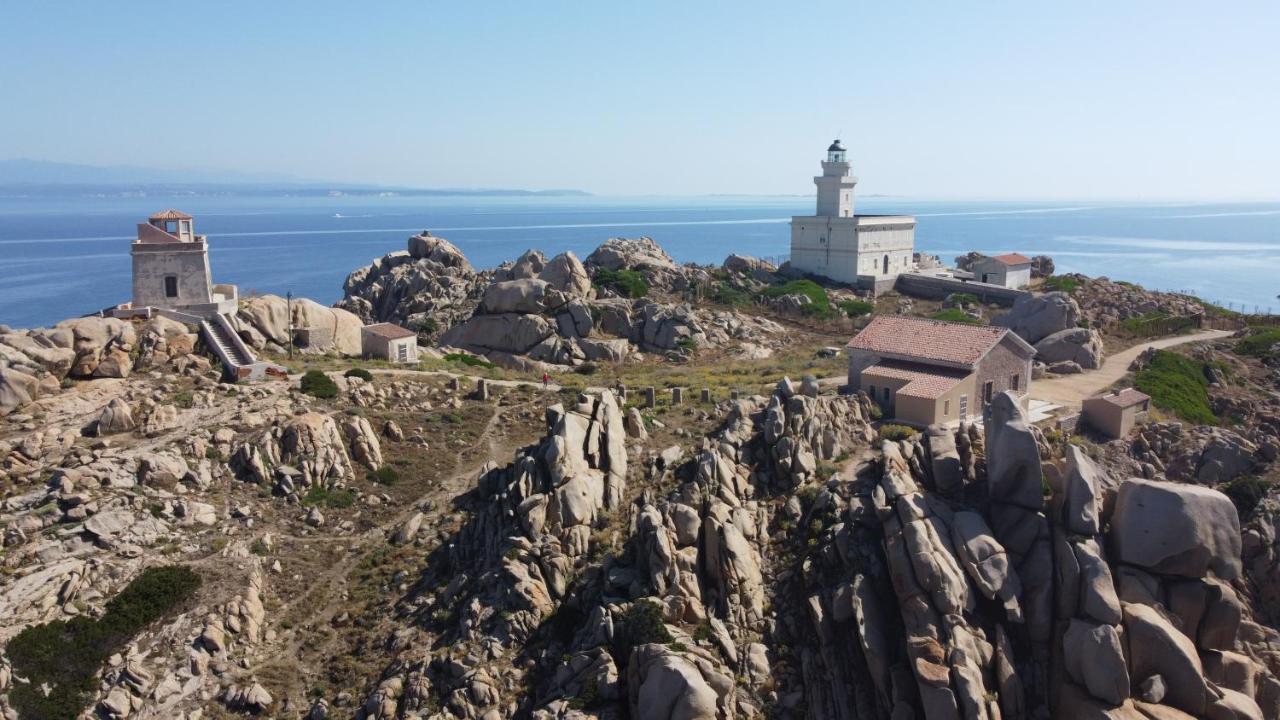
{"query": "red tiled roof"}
[(1013, 259), (390, 331), (1125, 398), (922, 381), (928, 341), (171, 214)]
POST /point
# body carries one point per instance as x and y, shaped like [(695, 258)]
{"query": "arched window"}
[(886, 264)]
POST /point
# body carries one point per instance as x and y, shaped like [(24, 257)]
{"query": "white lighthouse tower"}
[(868, 251), (835, 184)]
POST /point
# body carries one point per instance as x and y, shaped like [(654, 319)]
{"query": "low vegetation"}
[(1245, 493), (317, 384), (385, 475), (1060, 283), (1179, 385), (955, 315), (819, 304), (641, 625), (328, 497), (857, 308), (469, 360), (1156, 325), (627, 283), (895, 432), (1260, 343), (66, 656), (359, 373)]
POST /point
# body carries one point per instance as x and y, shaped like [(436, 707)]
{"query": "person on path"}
[(546, 380)]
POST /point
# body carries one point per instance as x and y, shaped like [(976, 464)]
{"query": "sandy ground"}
[(1070, 390)]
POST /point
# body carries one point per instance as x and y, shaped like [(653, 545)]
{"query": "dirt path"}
[(550, 387), (1071, 390)]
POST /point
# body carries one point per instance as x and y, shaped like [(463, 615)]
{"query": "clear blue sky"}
[(1086, 99)]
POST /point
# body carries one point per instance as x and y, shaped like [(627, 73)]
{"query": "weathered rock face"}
[(116, 417), (1036, 317), (1082, 346), (1176, 529), (1104, 302), (263, 323), (429, 288)]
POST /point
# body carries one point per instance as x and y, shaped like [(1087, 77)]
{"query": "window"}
[(1013, 383), (871, 391), (886, 394), (946, 408), (170, 286), (988, 391), (964, 406), (402, 352)]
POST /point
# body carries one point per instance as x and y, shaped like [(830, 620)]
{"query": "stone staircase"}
[(238, 361)]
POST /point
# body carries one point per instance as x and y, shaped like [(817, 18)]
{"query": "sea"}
[(63, 257)]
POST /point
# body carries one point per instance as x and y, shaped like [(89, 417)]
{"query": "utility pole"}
[(288, 303)]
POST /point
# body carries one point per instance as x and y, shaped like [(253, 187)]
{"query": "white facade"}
[(995, 271), (838, 244)]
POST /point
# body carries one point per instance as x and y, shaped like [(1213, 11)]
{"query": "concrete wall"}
[(937, 288), (186, 261), (1109, 419)]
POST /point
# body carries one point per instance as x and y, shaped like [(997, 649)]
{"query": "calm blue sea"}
[(62, 257)]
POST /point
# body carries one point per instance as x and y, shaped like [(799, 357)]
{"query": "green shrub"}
[(955, 315), (183, 400), (1259, 343), (1178, 384), (428, 326), (627, 283), (687, 344), (963, 299), (1060, 283), (895, 432), (329, 497), (453, 418), (857, 308), (258, 547), (470, 360), (316, 384), (359, 373), (641, 625), (1245, 493), (819, 305), (66, 656), (726, 294), (385, 475)]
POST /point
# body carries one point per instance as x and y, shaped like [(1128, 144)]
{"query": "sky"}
[(1090, 99)]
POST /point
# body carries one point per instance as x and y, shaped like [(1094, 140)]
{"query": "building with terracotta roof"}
[(1115, 413), (389, 341), (171, 268), (1011, 270), (869, 251), (924, 372)]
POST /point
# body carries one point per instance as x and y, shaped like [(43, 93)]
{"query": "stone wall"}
[(188, 262), (927, 286)]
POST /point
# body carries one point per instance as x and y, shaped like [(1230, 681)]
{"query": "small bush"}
[(895, 432), (316, 384), (329, 497), (955, 315), (586, 368), (1178, 384), (687, 344), (66, 656), (453, 418), (258, 547), (963, 299), (819, 305), (1245, 493), (469, 360), (1060, 283), (385, 475), (359, 373), (183, 400), (1259, 344), (857, 308), (726, 294), (627, 283), (641, 625)]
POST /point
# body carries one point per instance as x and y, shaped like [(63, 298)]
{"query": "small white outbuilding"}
[(1011, 270), (388, 341)]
